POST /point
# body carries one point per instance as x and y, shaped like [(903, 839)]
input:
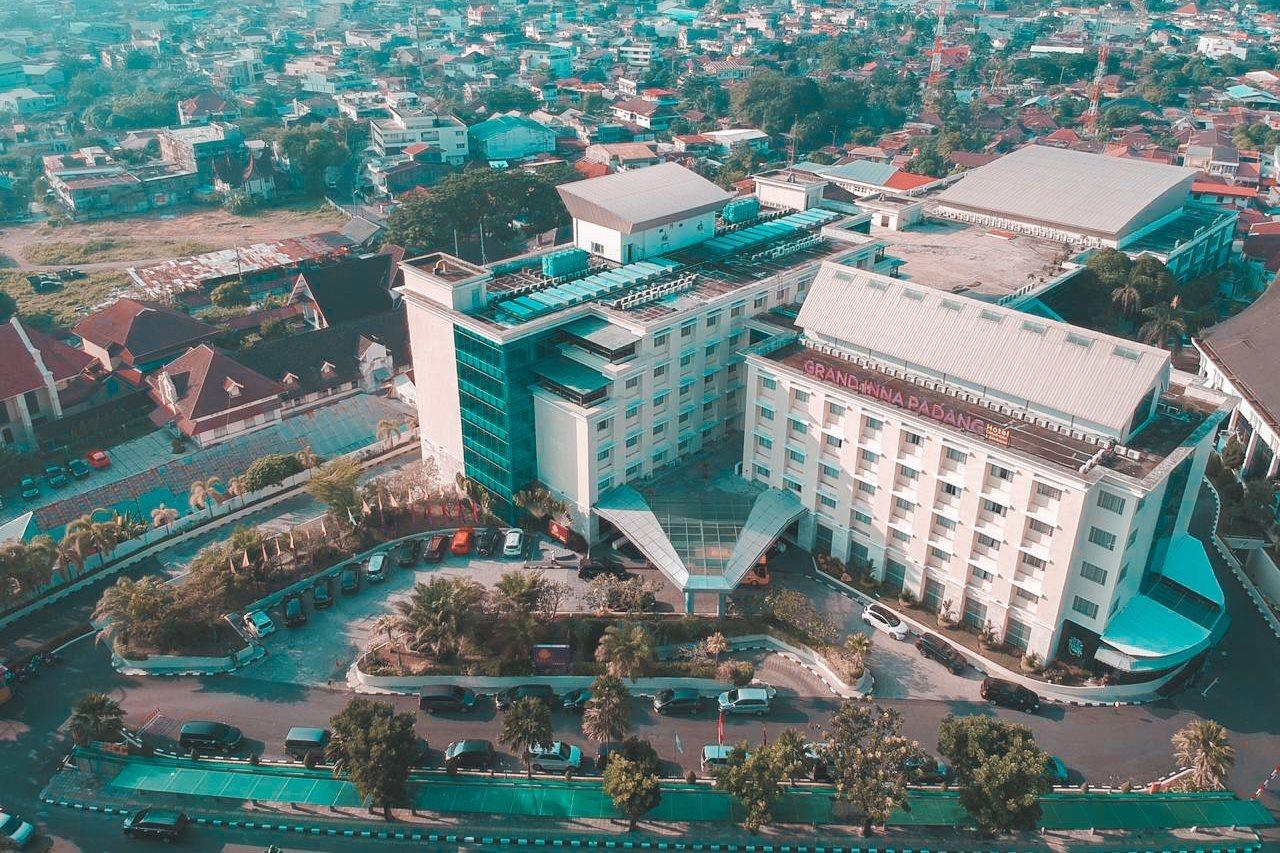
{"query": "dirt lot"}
[(105, 249), (157, 237)]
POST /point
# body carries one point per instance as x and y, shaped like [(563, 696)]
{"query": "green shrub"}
[(270, 470), (739, 672)]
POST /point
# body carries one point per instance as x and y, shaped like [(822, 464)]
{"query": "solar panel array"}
[(527, 306), (766, 232)]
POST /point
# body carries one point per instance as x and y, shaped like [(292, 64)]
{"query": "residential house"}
[(348, 290), (648, 114), (130, 333), (409, 125), (622, 155), (196, 148), (207, 107), (41, 379), (511, 136), (89, 184), (210, 397)]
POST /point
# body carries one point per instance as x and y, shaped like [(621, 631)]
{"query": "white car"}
[(879, 616), (556, 758), (259, 624), (513, 544), (15, 829)]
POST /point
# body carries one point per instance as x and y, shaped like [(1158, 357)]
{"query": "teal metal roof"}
[(569, 374), (599, 285), (501, 124), (601, 332), (1187, 563), (765, 232), (1154, 635)]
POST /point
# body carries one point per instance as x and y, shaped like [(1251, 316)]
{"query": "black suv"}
[(487, 542), (163, 824), (679, 700), (997, 691), (295, 612), (437, 698), (349, 579), (933, 646), (322, 592), (407, 553), (504, 699)]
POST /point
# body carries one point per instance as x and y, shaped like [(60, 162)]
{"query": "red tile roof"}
[(207, 383), (907, 180), (138, 330)]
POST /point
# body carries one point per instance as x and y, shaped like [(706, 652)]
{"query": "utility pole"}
[(417, 38)]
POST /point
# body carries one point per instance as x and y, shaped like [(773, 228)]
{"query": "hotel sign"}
[(917, 405)]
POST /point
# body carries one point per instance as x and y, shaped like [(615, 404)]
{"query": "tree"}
[(869, 760), (607, 716), (96, 717), (135, 610), (25, 567), (1165, 321), (387, 431), (715, 645), (163, 516), (626, 650), (791, 750), (502, 99), (1000, 771), (312, 149), (518, 594), (526, 725), (755, 780), (1203, 747), (230, 294), (377, 748), (634, 790), (8, 306), (269, 470), (334, 485), (203, 493), (438, 614)]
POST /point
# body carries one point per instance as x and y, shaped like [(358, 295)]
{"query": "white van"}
[(513, 545), (259, 623)]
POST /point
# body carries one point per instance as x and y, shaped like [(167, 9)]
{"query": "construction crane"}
[(1095, 88)]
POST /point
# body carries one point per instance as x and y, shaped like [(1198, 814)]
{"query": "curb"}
[(1250, 589)]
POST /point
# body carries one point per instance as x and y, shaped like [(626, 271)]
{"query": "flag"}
[(264, 552), (323, 530), (391, 499), (366, 508), (292, 546), (720, 729), (279, 547), (232, 563), (245, 562), (351, 517)]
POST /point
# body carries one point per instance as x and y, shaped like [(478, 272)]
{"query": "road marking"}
[(1205, 692), (679, 744)]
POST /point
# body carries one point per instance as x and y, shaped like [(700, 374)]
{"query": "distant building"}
[(622, 155), (89, 184), (511, 137), (129, 333), (209, 397), (645, 113), (196, 148), (407, 126), (740, 137), (41, 380), (207, 107), (348, 290), (1216, 47), (636, 54)]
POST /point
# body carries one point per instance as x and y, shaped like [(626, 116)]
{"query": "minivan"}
[(446, 698), (745, 700), (304, 740), (513, 545), (376, 570), (203, 735)]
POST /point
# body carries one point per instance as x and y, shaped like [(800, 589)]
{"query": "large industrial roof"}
[(1246, 348), (640, 199), (1083, 375), (1072, 189)]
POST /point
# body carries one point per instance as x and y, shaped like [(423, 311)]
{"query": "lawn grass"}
[(106, 249), (65, 305)]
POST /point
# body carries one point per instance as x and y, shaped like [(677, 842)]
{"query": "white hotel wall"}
[(1063, 549)]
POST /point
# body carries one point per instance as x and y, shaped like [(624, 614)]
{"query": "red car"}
[(461, 543), (98, 459)]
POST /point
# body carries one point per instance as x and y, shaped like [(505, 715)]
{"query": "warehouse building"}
[(1021, 473)]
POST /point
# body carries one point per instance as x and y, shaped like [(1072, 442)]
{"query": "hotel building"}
[(1022, 472)]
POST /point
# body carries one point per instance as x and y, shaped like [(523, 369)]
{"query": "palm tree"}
[(1127, 297), (162, 516), (1204, 748), (97, 717), (236, 487), (438, 614), (1164, 322), (387, 623), (519, 593), (716, 645), (77, 541), (130, 607), (527, 724), (625, 650), (607, 716), (203, 493), (858, 645), (307, 457), (791, 751), (387, 431)]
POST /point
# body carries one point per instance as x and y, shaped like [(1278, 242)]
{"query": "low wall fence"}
[(1250, 588)]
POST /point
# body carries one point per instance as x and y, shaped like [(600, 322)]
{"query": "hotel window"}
[(765, 413), (709, 379), (633, 440), (1040, 527), (907, 473), (603, 455), (764, 443), (1100, 537), (861, 517), (913, 438), (944, 522), (791, 484), (904, 504), (1133, 537), (761, 471), (633, 383), (988, 542), (835, 409), (1034, 562), (736, 311), (1124, 570), (686, 331), (603, 425), (708, 406), (866, 488), (768, 382), (685, 388), (1089, 571), (874, 424), (734, 338), (660, 398), (950, 489), (712, 319), (684, 418), (829, 471), (827, 501), (797, 426), (760, 300), (801, 396), (604, 485), (1019, 592), (633, 470), (956, 455), (710, 350), (660, 371), (795, 456), (659, 429), (869, 455), (900, 535), (1001, 473), (939, 554), (1111, 502), (1085, 606), (784, 293), (660, 339), (1046, 491), (833, 441), (994, 508), (659, 456), (632, 411), (982, 574), (686, 359)]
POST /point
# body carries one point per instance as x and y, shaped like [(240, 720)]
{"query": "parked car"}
[(98, 459), (295, 611), (30, 488), (744, 700), (434, 552), (258, 623), (469, 754), (444, 698), (487, 542), (592, 569), (462, 540), (78, 468), (55, 476), (304, 740), (206, 736), (504, 699), (576, 700), (322, 592), (881, 617), (407, 553), (164, 824), (349, 579), (14, 828), (933, 646), (376, 569), (513, 543), (1057, 770), (815, 762), (678, 700), (715, 755), (997, 691), (556, 758), (927, 770), (72, 274)]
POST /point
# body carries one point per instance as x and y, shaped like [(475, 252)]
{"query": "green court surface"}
[(583, 798)]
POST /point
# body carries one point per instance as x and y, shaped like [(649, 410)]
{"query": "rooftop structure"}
[(637, 201), (277, 257)]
